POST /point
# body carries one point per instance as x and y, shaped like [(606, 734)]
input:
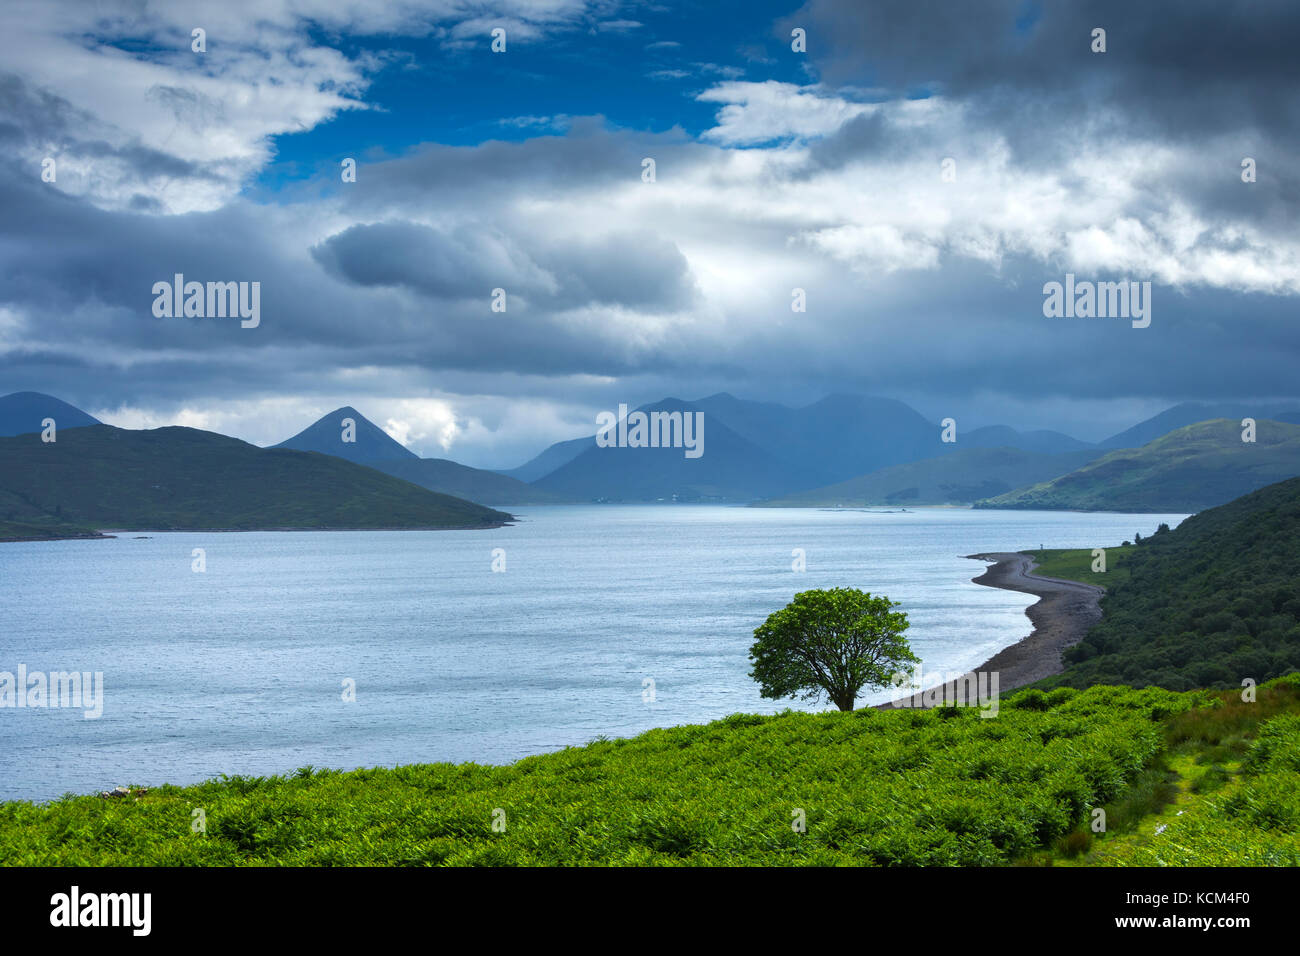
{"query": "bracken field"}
[(1218, 777)]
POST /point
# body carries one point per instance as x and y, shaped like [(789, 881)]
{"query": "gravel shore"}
[(1064, 613), (1060, 618)]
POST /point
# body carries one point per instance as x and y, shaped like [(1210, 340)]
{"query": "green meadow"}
[(873, 788)]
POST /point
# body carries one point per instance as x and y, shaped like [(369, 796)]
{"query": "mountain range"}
[(770, 451), (1188, 470), (844, 450), (367, 444)]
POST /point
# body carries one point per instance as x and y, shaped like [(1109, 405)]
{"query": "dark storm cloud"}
[(638, 271), (586, 158), (81, 279), (1202, 72), (1218, 78), (1187, 66)]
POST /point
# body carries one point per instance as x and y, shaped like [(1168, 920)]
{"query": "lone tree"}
[(833, 641)]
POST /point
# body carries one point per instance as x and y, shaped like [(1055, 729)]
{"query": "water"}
[(240, 670)]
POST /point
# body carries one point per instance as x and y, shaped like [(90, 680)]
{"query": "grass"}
[(898, 787), (1225, 791), (1076, 565)]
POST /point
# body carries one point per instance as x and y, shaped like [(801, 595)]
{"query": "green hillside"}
[(959, 478), (186, 479), (1213, 602), (1075, 564), (473, 484), (874, 788), (1188, 470)]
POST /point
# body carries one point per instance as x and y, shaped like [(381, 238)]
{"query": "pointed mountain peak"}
[(346, 433), (23, 412)]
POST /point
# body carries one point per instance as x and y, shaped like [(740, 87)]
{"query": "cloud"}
[(558, 273), (377, 293), (139, 119), (755, 113)]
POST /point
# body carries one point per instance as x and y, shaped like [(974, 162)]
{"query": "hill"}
[(186, 479), (375, 448), (1206, 605), (730, 468), (902, 787), (23, 412), (474, 484), (959, 478), (832, 440), (553, 457), (1189, 413), (1043, 441), (369, 443), (1190, 469)]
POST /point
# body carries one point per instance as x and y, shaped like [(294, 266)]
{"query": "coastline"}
[(1062, 615), (97, 536), (118, 532)]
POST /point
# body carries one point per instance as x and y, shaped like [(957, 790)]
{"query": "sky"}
[(919, 169)]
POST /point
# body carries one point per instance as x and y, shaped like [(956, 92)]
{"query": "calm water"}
[(239, 670)]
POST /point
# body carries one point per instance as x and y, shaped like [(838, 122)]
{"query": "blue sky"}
[(641, 70), (776, 171)]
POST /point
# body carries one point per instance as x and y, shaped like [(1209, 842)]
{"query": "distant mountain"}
[(838, 438), (372, 446), (1189, 413), (833, 439), (962, 477), (561, 453), (730, 469), (1190, 469), (186, 479), (23, 412), (474, 484), (369, 443), (1002, 436)]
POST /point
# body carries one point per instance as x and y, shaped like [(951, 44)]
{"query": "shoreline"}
[(1064, 612), (98, 536), (107, 533)]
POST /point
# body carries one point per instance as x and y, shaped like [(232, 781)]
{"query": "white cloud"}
[(139, 85), (756, 113)]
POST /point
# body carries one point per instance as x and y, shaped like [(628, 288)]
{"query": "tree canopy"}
[(833, 642)]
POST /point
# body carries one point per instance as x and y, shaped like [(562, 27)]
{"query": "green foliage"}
[(1206, 605), (1243, 806), (1075, 564), (832, 642), (892, 787)]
